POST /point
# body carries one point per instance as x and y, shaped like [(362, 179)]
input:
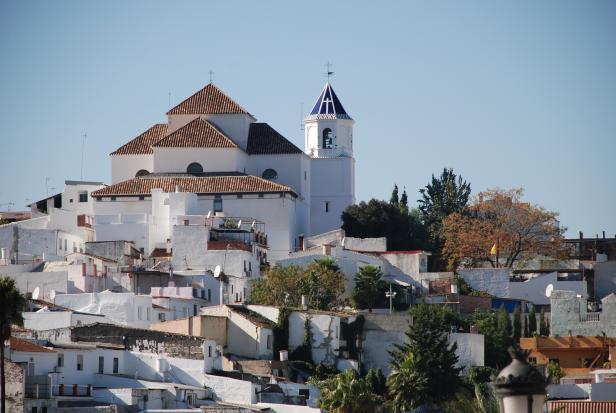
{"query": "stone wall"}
[(14, 386)]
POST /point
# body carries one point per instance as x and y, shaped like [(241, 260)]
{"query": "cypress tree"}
[(544, 330), (504, 323), (395, 201), (517, 324), (404, 203), (532, 322)]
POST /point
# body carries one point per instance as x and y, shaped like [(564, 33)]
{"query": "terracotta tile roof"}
[(198, 133), (209, 100), (18, 344), (196, 184), (142, 144), (582, 406), (160, 253), (265, 140)]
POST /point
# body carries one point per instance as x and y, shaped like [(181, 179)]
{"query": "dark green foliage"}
[(394, 200), (304, 352), (382, 219), (504, 322), (517, 324), (442, 196), (424, 368), (377, 381), (347, 392), (480, 374), (369, 286), (350, 333), (324, 371), (544, 330), (493, 325), (281, 331), (532, 322), (555, 372), (404, 203)]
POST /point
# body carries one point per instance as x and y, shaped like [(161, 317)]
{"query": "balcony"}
[(590, 317), (72, 390)]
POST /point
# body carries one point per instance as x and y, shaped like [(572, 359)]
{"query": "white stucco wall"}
[(533, 290), (211, 159), (231, 390), (124, 167)]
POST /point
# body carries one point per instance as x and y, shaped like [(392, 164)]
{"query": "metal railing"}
[(590, 317)]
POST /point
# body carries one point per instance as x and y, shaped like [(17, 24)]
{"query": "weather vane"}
[(329, 72)]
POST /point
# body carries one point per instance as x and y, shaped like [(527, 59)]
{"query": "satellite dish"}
[(52, 294), (217, 271), (209, 214), (239, 223), (548, 290), (36, 293)]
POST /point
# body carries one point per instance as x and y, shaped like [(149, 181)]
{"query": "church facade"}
[(212, 157)]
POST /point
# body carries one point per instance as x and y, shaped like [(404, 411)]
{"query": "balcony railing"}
[(590, 317)]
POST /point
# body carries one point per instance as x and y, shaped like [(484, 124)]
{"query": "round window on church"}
[(194, 168), (270, 174), (141, 172)]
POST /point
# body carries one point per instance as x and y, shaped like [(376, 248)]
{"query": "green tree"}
[(555, 372), (304, 351), (444, 195), (544, 330), (321, 282), (12, 304), (517, 325), (504, 322), (424, 367), (496, 337), (404, 203), (394, 200), (369, 285), (377, 381), (532, 322), (376, 218), (348, 393)]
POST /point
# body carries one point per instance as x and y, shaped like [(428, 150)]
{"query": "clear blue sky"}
[(509, 94)]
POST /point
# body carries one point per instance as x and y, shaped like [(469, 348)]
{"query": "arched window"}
[(328, 138), (270, 174), (194, 168), (141, 172)]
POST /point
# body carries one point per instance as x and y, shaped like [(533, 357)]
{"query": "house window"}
[(83, 196), (244, 265), (194, 168), (305, 175), (240, 196), (209, 294), (261, 195), (79, 362), (147, 313), (116, 365), (249, 266), (270, 174), (209, 351), (532, 360), (60, 360), (139, 313), (141, 172), (195, 309), (305, 393), (141, 197), (60, 244), (113, 198), (65, 245), (218, 204), (269, 341), (101, 365), (34, 409), (326, 206), (74, 246), (328, 138)]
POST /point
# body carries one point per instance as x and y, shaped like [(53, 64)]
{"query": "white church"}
[(212, 158)]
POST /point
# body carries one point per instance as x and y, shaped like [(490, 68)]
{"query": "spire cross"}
[(211, 73), (328, 72)]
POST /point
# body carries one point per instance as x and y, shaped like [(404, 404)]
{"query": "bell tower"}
[(328, 141)]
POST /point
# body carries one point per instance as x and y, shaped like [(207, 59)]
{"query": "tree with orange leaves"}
[(499, 229)]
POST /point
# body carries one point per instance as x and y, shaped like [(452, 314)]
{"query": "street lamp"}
[(519, 387)]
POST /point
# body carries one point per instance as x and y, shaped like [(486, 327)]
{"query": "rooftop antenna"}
[(328, 72), (211, 75), (83, 146)]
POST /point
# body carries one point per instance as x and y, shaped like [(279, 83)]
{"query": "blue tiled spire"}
[(328, 106)]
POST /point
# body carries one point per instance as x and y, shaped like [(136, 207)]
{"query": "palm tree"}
[(368, 286), (12, 303), (348, 393), (406, 385)]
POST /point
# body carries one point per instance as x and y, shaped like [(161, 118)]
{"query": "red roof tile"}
[(18, 344), (196, 184), (582, 406), (196, 134), (209, 100), (142, 144)]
